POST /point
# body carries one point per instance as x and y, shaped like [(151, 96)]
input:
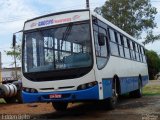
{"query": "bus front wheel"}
[(60, 106), (112, 101)]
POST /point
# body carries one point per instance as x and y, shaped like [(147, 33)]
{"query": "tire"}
[(112, 101), (10, 100), (137, 93), (60, 106)]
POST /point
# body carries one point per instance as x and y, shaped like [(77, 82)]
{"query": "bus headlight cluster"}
[(87, 85), (30, 90)]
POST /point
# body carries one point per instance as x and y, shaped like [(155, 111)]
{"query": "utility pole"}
[(87, 4)]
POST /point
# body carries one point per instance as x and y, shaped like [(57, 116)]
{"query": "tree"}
[(15, 53), (153, 61), (132, 16)]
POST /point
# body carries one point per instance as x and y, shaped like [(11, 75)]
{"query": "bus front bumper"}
[(68, 96)]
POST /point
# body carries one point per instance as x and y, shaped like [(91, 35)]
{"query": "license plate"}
[(55, 96)]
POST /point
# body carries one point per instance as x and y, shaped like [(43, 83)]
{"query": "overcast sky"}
[(13, 13)]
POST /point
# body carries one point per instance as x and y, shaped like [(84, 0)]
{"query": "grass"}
[(151, 90)]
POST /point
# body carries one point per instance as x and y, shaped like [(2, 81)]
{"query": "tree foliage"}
[(151, 38), (15, 53), (132, 16), (153, 61)]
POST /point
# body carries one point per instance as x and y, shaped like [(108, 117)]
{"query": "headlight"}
[(30, 90), (27, 90), (87, 85), (83, 86)]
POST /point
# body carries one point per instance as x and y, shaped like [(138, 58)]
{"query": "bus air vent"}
[(47, 89), (66, 87)]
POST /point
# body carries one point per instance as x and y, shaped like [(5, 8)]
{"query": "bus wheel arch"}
[(137, 93), (140, 80), (116, 84)]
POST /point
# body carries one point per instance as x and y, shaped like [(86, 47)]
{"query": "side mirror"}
[(14, 40), (101, 39)]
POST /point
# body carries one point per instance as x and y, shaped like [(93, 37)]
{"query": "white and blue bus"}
[(80, 56)]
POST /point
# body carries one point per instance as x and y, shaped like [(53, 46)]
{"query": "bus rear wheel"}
[(60, 106)]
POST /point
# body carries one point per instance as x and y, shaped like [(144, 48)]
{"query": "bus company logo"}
[(33, 25), (46, 22), (76, 17)]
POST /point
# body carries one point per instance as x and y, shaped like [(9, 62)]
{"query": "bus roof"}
[(92, 13)]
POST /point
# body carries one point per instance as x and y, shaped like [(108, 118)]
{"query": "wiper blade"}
[(66, 33)]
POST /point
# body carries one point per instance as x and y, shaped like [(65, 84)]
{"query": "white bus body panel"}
[(56, 84)]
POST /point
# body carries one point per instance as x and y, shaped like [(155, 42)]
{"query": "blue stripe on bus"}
[(71, 96), (127, 84)]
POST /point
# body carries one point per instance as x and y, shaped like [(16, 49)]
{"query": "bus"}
[(77, 56)]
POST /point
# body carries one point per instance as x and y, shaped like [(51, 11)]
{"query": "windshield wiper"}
[(66, 34)]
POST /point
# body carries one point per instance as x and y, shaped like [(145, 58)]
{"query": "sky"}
[(13, 14)]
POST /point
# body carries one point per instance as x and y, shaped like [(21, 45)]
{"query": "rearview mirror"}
[(101, 39), (14, 40)]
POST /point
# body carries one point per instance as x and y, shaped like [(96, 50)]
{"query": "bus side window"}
[(126, 48), (140, 51), (134, 51), (120, 44), (131, 50), (129, 46), (113, 44), (143, 55), (116, 38), (137, 52), (112, 36)]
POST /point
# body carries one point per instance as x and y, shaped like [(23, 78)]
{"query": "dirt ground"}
[(145, 108)]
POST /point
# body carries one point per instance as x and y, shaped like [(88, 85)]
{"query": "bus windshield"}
[(60, 47)]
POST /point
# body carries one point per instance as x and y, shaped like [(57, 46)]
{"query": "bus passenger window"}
[(114, 49), (138, 47), (134, 50), (121, 46), (131, 50), (143, 55), (129, 47), (113, 43), (126, 49), (137, 54), (112, 36), (125, 42)]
